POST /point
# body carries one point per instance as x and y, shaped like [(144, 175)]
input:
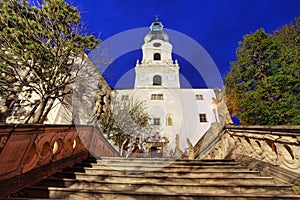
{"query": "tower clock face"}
[(171, 77), (143, 77)]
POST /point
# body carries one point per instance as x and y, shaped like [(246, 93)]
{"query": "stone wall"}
[(269, 147), (44, 150)]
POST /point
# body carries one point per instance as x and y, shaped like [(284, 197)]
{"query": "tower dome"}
[(156, 32)]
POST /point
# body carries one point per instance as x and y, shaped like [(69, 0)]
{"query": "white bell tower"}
[(157, 69)]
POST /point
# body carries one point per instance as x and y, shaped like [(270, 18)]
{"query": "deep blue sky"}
[(217, 25)]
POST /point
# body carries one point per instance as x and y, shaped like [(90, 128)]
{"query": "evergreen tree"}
[(262, 87), (41, 48)]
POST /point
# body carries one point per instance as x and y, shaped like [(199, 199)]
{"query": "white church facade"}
[(173, 110)]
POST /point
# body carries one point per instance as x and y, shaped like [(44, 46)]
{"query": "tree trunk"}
[(122, 147), (49, 107), (38, 115), (31, 114)]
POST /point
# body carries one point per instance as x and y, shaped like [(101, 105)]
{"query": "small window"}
[(156, 121), (156, 56), (157, 80), (125, 97), (202, 118), (157, 97), (156, 44), (199, 97), (169, 120)]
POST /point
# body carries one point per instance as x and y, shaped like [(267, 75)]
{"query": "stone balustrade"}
[(28, 153), (275, 145)]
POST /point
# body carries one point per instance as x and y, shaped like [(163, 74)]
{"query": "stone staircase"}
[(157, 178)]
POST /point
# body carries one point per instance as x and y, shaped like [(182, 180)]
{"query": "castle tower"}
[(157, 69), (172, 110)]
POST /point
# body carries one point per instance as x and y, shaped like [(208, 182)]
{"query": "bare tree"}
[(125, 119)]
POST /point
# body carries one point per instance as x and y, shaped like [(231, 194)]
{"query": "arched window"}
[(157, 80), (156, 56)]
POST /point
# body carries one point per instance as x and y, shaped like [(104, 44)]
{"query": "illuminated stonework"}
[(172, 109)]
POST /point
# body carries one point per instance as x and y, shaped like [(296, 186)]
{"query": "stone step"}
[(91, 190), (157, 163), (118, 174), (132, 179), (92, 173), (107, 195), (141, 159), (168, 169), (154, 165), (122, 159), (159, 159), (164, 162), (131, 164), (161, 164)]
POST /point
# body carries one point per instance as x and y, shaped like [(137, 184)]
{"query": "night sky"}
[(216, 25)]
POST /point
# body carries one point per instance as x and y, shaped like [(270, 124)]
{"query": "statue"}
[(178, 152), (101, 99), (223, 112), (190, 149), (169, 121)]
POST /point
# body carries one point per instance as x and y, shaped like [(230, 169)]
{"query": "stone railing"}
[(28, 153), (275, 145)]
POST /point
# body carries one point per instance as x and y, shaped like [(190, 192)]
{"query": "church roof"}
[(156, 32)]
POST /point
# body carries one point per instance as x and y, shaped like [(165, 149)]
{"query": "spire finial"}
[(156, 18)]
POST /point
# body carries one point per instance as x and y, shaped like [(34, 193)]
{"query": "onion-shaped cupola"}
[(156, 32)]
